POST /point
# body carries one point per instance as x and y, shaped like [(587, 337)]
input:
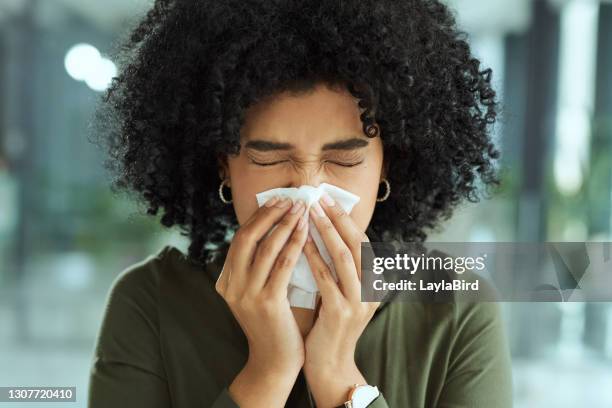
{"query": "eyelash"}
[(272, 164)]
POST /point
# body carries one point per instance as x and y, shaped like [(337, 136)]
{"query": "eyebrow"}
[(267, 146)]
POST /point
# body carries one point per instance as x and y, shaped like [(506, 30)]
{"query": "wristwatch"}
[(360, 396)]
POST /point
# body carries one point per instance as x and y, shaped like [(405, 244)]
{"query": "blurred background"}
[(64, 237)]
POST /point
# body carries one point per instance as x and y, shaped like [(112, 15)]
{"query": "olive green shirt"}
[(168, 339)]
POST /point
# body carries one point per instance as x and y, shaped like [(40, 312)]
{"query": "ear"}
[(385, 170), (223, 167)]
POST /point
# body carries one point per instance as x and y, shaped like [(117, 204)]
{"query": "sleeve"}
[(127, 369), (479, 372)]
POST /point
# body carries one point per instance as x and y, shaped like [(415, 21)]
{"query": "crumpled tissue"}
[(302, 290)]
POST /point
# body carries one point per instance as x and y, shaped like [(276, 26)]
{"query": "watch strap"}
[(360, 396)]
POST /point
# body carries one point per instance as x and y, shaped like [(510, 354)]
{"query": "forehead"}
[(318, 116)]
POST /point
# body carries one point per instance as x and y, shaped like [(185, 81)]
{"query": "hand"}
[(330, 367), (254, 283)]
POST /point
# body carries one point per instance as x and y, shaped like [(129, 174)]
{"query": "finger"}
[(247, 237), (278, 279), (342, 257), (224, 277), (328, 288), (275, 201), (222, 280), (350, 233), (317, 305), (269, 248)]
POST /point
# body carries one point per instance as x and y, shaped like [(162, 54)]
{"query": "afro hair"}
[(189, 69)]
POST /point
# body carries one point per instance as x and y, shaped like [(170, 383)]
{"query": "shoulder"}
[(464, 338), (453, 318), (164, 282), (141, 279), (129, 330), (133, 299)]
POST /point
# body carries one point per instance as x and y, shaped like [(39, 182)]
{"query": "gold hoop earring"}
[(388, 185), (226, 201)]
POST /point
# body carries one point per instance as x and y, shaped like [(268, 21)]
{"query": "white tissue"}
[(302, 290)]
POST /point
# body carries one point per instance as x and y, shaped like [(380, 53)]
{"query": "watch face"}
[(363, 396)]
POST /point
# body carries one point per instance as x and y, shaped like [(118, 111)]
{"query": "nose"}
[(311, 177)]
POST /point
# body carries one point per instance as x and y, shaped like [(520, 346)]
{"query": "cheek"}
[(244, 188), (362, 212), (245, 204), (245, 184)]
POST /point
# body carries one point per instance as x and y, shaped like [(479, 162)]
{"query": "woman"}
[(365, 95)]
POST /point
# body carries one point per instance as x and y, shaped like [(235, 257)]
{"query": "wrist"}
[(280, 373), (330, 366), (274, 365), (261, 386), (331, 383)]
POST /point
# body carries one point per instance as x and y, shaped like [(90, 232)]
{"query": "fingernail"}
[(283, 202), (296, 206), (327, 200), (271, 201), (316, 210)]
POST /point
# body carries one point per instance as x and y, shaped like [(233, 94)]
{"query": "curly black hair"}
[(189, 69)]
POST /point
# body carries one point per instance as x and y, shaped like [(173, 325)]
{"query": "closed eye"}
[(346, 164), (282, 161), (266, 164)]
